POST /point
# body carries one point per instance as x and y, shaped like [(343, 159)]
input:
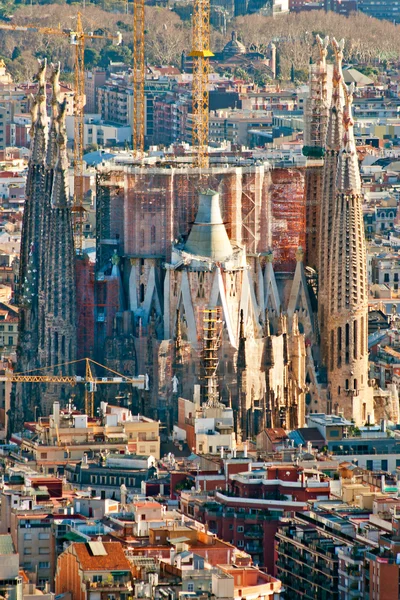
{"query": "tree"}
[(16, 53), (115, 54), (92, 57)]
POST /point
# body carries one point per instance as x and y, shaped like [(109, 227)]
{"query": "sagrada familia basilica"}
[(212, 278)]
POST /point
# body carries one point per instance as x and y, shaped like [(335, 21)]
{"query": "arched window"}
[(339, 347), (355, 340)]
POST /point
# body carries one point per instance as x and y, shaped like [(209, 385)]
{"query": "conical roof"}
[(208, 236)]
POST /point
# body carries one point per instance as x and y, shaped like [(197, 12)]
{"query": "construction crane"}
[(201, 54), (91, 382), (77, 38), (138, 77)]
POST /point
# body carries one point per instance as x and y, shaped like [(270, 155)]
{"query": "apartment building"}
[(66, 436), (93, 571), (10, 578)]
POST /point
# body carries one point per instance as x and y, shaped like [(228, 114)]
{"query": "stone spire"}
[(31, 249), (51, 159), (60, 306), (347, 297), (316, 116), (333, 145)]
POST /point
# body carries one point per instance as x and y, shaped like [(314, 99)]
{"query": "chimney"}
[(245, 449)]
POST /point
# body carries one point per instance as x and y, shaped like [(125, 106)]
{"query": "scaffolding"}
[(212, 332), (262, 208)]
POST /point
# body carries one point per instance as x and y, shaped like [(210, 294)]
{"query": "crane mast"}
[(138, 77), (201, 54)]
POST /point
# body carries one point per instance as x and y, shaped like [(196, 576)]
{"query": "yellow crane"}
[(91, 381), (77, 38), (200, 54), (138, 77)]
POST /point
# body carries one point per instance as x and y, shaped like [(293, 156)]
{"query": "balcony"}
[(255, 534), (253, 548)]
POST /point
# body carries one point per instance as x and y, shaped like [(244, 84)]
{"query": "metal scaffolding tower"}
[(138, 77), (201, 54)]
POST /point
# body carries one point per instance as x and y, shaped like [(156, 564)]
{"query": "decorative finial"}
[(347, 116), (282, 324), (33, 109), (323, 48), (241, 327), (41, 93), (295, 323), (337, 71), (269, 256), (300, 254), (55, 84)]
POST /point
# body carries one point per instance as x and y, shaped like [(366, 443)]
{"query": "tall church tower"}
[(347, 292), (333, 144), (26, 396), (60, 298), (316, 113), (46, 293)]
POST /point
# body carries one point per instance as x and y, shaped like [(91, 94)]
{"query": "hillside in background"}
[(368, 41)]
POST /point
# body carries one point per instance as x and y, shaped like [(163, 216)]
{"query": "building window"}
[(102, 480), (97, 578), (93, 479), (240, 529), (27, 551), (153, 234), (190, 587), (43, 455), (113, 481), (386, 277), (44, 550), (10, 340), (44, 565), (27, 536), (240, 543), (44, 536), (142, 237)]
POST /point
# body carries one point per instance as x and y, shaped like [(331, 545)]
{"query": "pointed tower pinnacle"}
[(348, 300), (51, 159), (32, 247), (53, 132), (333, 145), (60, 191), (60, 307), (39, 141)]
